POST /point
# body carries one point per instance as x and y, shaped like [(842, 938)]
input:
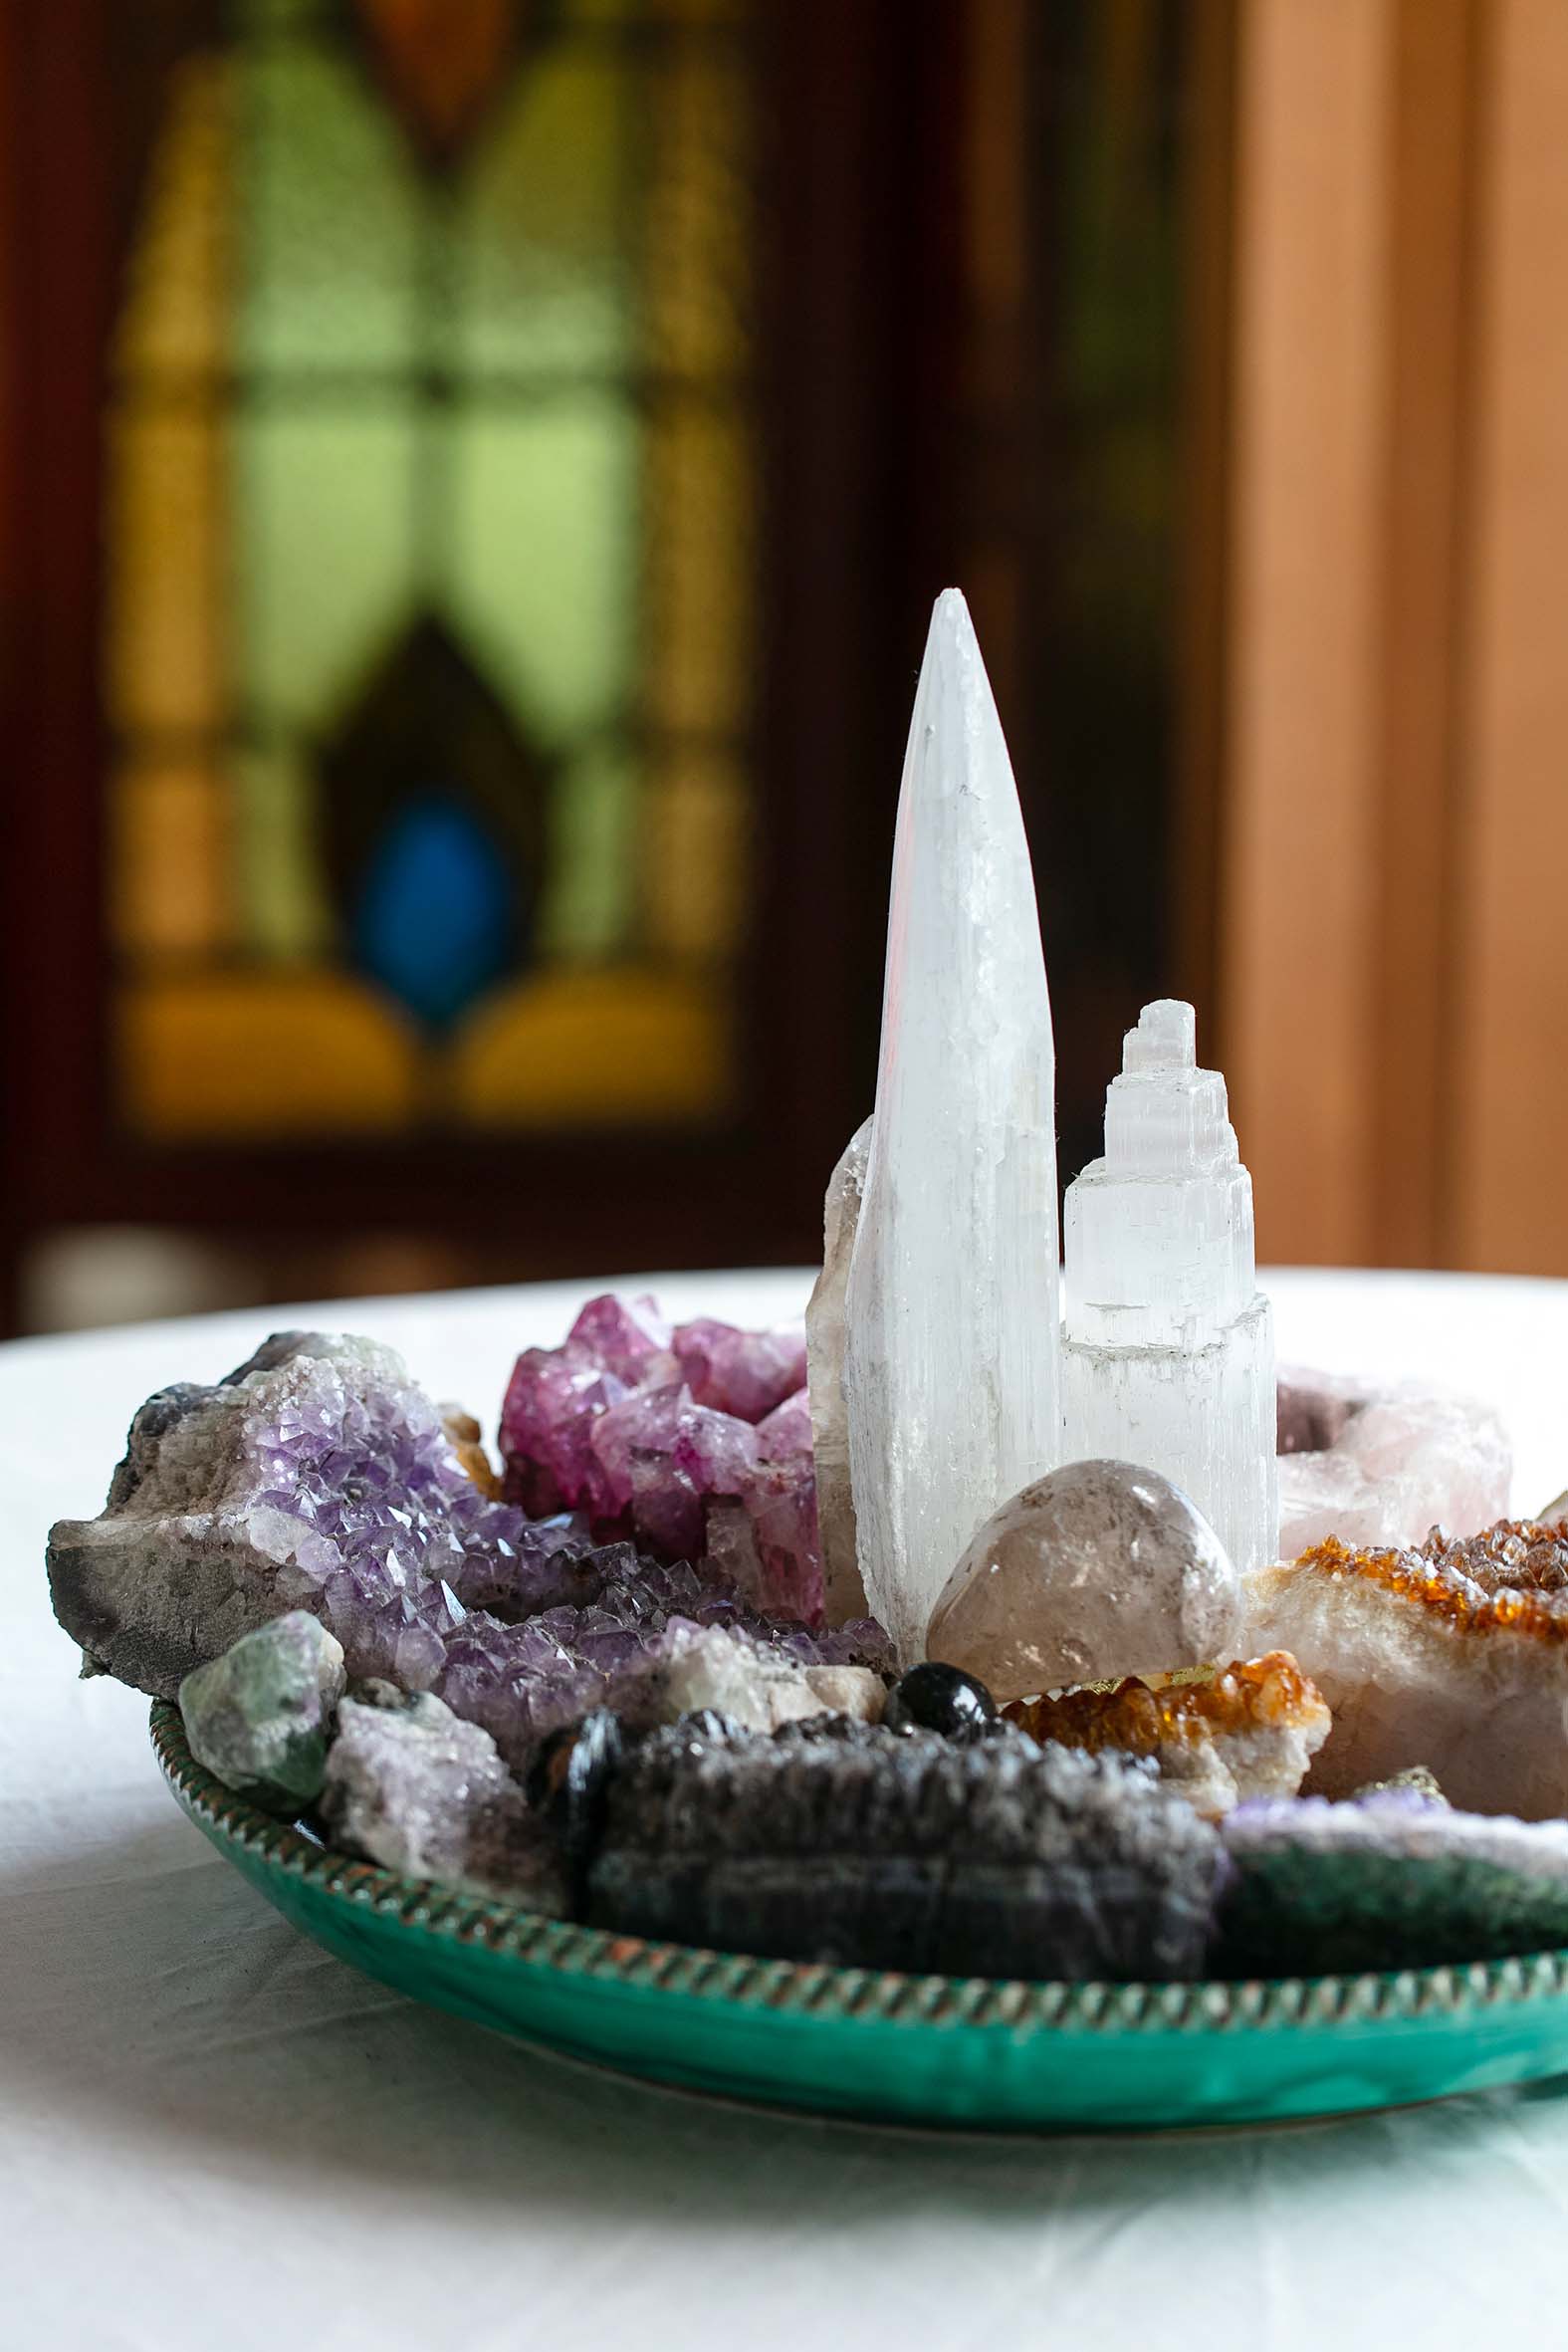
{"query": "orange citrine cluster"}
[(1270, 1692), (1511, 1576)]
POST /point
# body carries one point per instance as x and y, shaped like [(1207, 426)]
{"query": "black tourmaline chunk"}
[(839, 1841)]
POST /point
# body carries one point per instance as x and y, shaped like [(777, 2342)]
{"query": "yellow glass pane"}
[(697, 226), (695, 845), (543, 562), (544, 280), (283, 909), (253, 1054), (169, 861), (594, 1048), (699, 557), (175, 319), (325, 566), (593, 858), (165, 597)]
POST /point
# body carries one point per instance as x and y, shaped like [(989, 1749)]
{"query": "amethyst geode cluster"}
[(694, 1439), (319, 1476)]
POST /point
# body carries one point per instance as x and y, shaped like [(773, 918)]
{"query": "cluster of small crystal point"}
[(1251, 1694), (1512, 1576)]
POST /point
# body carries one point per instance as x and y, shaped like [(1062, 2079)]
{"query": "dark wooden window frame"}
[(852, 368)]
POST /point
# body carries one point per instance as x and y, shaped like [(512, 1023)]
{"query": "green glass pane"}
[(594, 825), (330, 240), (325, 563), (284, 912), (543, 556), (544, 277)]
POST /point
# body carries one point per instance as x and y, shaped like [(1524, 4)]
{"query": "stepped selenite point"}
[(952, 1303), (1168, 1350)]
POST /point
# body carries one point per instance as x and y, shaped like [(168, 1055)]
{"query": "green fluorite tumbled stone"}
[(261, 1715)]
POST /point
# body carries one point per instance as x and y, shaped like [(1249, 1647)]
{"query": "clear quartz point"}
[(952, 1335), (1168, 1352), (843, 1594)]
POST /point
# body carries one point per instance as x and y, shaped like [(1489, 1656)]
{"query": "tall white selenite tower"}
[(950, 1314), (1168, 1346)]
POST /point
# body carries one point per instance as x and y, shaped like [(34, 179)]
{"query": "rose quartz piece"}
[(1378, 1463)]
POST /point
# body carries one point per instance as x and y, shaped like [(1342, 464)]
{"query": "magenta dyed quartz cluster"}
[(693, 1439)]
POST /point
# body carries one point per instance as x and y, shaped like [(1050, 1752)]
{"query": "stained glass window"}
[(431, 571)]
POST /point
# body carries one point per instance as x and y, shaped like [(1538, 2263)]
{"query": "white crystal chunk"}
[(1168, 1351), (952, 1304)]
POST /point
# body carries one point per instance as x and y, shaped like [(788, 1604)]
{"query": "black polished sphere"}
[(934, 1698)]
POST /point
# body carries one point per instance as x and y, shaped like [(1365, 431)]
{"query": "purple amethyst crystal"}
[(411, 1787), (695, 1440), (320, 1477)]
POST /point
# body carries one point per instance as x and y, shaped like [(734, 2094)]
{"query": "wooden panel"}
[(1415, 970), (1298, 840), (1510, 1202)]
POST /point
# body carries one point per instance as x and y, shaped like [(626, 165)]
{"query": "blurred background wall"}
[(473, 476)]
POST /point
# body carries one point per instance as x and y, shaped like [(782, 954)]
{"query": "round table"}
[(211, 2134)]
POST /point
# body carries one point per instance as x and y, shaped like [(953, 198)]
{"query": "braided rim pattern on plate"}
[(853, 1994)]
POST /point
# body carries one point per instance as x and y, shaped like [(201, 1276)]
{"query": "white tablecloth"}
[(213, 2136)]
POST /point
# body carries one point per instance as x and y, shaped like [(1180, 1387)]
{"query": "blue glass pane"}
[(438, 916)]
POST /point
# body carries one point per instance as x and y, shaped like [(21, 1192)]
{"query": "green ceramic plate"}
[(944, 2050)]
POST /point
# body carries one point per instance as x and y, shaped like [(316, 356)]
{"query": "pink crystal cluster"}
[(694, 1439)]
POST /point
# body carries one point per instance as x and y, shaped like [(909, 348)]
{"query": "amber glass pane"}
[(175, 319), (170, 859), (694, 857), (595, 1048), (165, 648), (239, 1055), (697, 221), (699, 562)]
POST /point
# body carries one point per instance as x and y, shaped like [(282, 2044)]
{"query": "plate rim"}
[(853, 1995)]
